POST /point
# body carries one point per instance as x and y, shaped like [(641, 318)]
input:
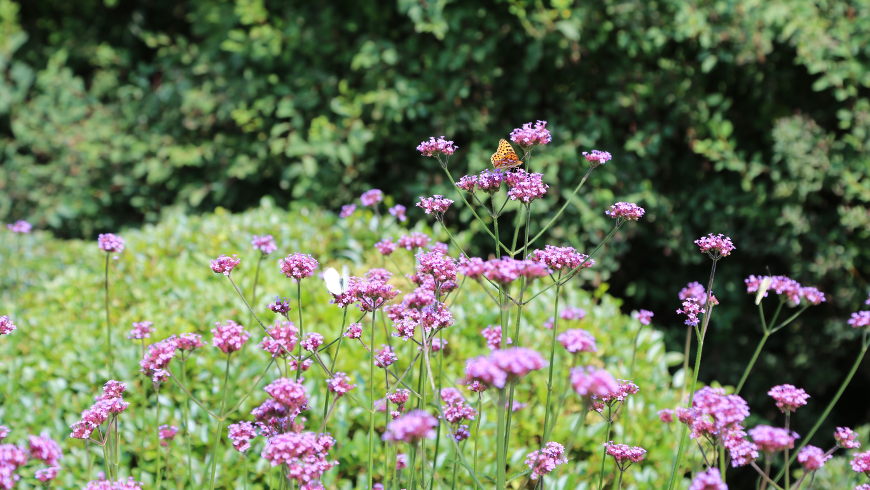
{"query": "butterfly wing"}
[(505, 156)]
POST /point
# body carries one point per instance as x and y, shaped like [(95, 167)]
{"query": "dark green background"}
[(747, 118)]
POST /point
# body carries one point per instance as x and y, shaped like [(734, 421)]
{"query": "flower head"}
[(531, 135), (411, 427), (788, 398), (691, 308), (590, 381), (241, 435), (846, 438), (559, 258), (525, 187), (339, 384), (44, 449), (304, 454), (708, 480), (577, 340), (371, 197), (715, 246), (229, 336), (861, 463), (597, 157), (467, 183), (6, 325), (436, 205), (110, 243), (772, 439), (434, 147), (812, 458), (626, 211), (141, 330), (347, 210), (354, 331), (224, 264), (312, 341), (414, 240), (503, 364), (398, 212), (859, 319), (298, 266), (545, 460), (166, 433), (385, 357), (666, 415), (20, 226), (643, 316), (289, 393), (625, 455)]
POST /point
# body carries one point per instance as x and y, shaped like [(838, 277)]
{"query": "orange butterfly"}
[(505, 156)]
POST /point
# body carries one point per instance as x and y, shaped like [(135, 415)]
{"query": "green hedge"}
[(749, 118)]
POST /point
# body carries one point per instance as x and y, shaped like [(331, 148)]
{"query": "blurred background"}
[(747, 118)]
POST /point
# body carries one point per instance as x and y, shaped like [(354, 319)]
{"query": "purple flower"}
[(559, 258), (861, 463), (859, 319), (788, 398), (715, 246), (772, 439), (643, 316), (354, 331), (371, 197), (305, 455), (6, 325), (529, 135), (281, 339), (597, 157), (411, 427), (414, 240), (339, 384), (590, 381), (467, 183), (289, 393), (526, 187), (158, 355), (501, 365), (241, 435), (434, 147), (398, 211), (347, 210), (812, 458), (225, 264), (20, 226), (691, 308), (625, 211), (436, 205), (545, 460), (110, 243), (298, 265), (229, 337), (385, 357), (666, 415), (46, 475), (264, 243), (708, 480), (166, 433), (312, 341), (44, 449), (577, 340), (386, 246), (140, 330), (625, 455), (103, 484), (490, 180), (846, 438), (280, 306), (492, 335)]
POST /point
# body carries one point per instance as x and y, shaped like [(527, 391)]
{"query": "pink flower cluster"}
[(347, 210), (812, 458), (434, 147), (141, 330), (371, 197), (507, 270), (102, 484), (577, 340), (501, 365), (6, 325), (414, 240), (110, 243), (411, 427), (241, 434), (846, 438), (289, 393), (441, 268), (20, 226), (339, 384), (713, 413), (312, 341), (860, 319), (280, 306), (281, 339), (546, 459), (229, 336), (111, 402), (708, 480), (715, 246), (385, 357), (369, 294), (861, 463), (590, 381), (264, 243), (44, 449), (691, 308), (623, 390), (626, 211), (492, 335), (788, 288), (437, 205), (772, 439), (643, 316), (531, 135), (305, 455), (788, 398), (157, 357), (597, 157), (225, 264), (524, 186), (298, 266), (386, 246), (625, 455), (559, 258), (166, 433), (455, 409), (398, 212)]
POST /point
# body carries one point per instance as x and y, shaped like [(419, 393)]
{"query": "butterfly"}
[(505, 156)]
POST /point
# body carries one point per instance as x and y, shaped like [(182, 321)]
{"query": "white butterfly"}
[(335, 283)]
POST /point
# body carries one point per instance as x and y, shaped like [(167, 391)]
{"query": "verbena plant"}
[(391, 360)]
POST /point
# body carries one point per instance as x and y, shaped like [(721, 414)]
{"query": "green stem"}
[(634, 351), (185, 421), (435, 397), (547, 407), (619, 480), (371, 451), (501, 477), (604, 451), (301, 331), (787, 464), (477, 431), (109, 355), (752, 361), (220, 425), (158, 478)]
